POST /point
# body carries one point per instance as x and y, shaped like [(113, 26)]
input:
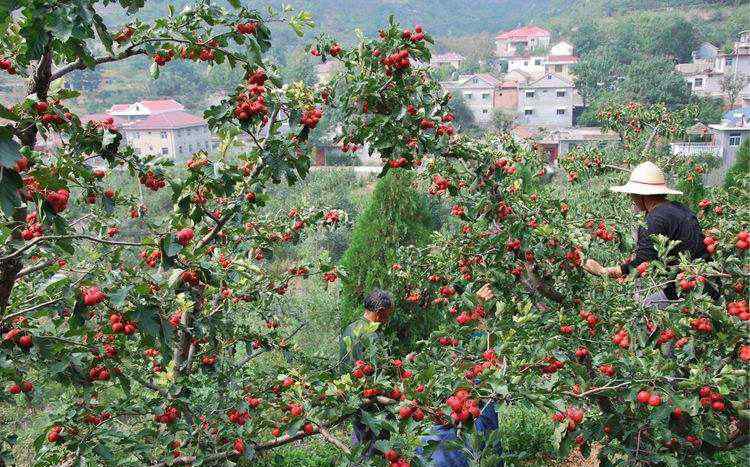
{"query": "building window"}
[(484, 111), (467, 95), (560, 93), (164, 151), (698, 83), (485, 96), (560, 111), (164, 135), (558, 68), (190, 148), (537, 62), (734, 139), (179, 149), (528, 112), (525, 63), (530, 94), (730, 60)]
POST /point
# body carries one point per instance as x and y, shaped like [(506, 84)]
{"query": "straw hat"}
[(646, 179)]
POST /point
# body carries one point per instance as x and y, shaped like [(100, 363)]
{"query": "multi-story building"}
[(450, 59), (528, 38), (160, 127), (558, 60), (531, 64), (710, 66), (478, 91), (547, 101)]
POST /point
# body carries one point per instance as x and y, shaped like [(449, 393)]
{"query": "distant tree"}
[(300, 67), (737, 175), (396, 216), (587, 38), (710, 109), (464, 117), (731, 85), (596, 73), (654, 80), (502, 119), (672, 36)]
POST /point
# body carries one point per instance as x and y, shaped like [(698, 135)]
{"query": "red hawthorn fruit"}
[(276, 432), (643, 397), (25, 341), (239, 446), (14, 389), (308, 428), (391, 455), (744, 353), (405, 412), (184, 236), (654, 400), (54, 435)]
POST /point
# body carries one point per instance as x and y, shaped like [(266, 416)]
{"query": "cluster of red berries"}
[(33, 229), (190, 277), (295, 409), (396, 163), (335, 50), (151, 259), (25, 386), (591, 320), (395, 459), (332, 217), (362, 369), (665, 336), (462, 406), (330, 276), (93, 296), (448, 341), (651, 398), (702, 324), (439, 185), (457, 210), (711, 398), (311, 117), (252, 102), (253, 402), (710, 243), (119, 326), (410, 411), (170, 415), (574, 257), (467, 317), (58, 200), (551, 365), (184, 236), (7, 65), (299, 271), (175, 319), (621, 339), (99, 373), (743, 240), (246, 28), (152, 182), (54, 435), (92, 419), (574, 415), (163, 56), (607, 370), (23, 341), (739, 309), (240, 418), (603, 233)]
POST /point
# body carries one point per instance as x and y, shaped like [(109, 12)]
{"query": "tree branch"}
[(39, 240), (80, 65)]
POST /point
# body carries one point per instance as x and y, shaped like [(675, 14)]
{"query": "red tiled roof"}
[(167, 121), (488, 78), (562, 59), (524, 32), (99, 117), (165, 105)]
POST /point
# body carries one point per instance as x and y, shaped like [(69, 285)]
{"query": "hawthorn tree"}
[(138, 343)]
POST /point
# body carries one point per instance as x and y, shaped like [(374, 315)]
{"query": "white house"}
[(447, 59), (531, 64), (562, 48), (527, 38), (709, 66), (478, 91), (547, 101)]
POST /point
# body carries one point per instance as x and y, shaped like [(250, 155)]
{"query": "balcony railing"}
[(693, 149)]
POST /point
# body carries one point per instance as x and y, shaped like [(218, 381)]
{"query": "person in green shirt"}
[(358, 340), (365, 332)]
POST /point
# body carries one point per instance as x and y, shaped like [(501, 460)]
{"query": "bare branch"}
[(80, 65)]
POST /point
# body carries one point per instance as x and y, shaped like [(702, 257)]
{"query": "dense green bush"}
[(526, 432), (397, 215), (737, 174)]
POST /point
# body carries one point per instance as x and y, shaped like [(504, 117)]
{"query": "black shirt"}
[(676, 222)]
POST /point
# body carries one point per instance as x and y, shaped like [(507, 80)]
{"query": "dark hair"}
[(378, 300)]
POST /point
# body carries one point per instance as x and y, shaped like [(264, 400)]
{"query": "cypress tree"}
[(396, 215)]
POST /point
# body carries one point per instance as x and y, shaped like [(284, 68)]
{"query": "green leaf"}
[(10, 182), (117, 298), (154, 70), (235, 3), (9, 153)]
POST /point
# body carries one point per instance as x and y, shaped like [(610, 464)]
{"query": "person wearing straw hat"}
[(648, 190)]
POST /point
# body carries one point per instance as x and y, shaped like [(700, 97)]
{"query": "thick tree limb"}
[(80, 65)]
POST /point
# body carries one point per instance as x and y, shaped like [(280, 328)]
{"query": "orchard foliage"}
[(136, 327)]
